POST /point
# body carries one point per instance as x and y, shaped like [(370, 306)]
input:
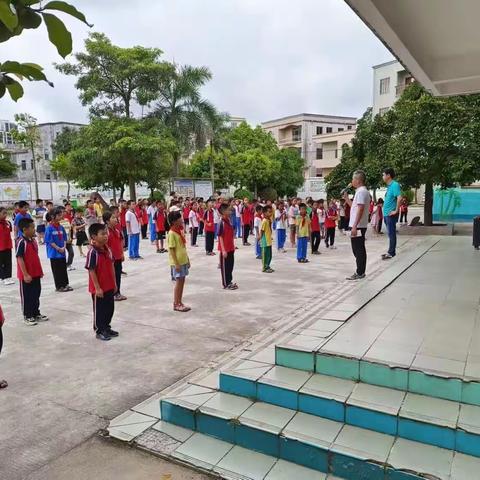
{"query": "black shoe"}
[(124, 273), (104, 336), (112, 333)]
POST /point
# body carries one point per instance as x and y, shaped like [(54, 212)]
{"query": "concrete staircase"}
[(342, 416)]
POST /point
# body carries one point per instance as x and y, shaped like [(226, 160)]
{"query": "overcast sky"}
[(269, 58)]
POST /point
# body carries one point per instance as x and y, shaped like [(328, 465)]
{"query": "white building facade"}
[(303, 132), (389, 81)]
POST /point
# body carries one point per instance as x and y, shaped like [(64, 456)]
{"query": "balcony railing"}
[(294, 139)]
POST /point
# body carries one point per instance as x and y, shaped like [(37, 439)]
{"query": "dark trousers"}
[(117, 265), (200, 228), (103, 309), (330, 236), (30, 295), (246, 233), (358, 248), (71, 254), (209, 241), (403, 217), (1, 339), (59, 270), (194, 235), (5, 264), (391, 224), (315, 241), (226, 266), (144, 231)]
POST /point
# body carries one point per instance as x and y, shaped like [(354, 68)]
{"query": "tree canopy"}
[(16, 16)]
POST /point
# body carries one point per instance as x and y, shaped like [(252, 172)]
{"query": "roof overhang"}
[(437, 41)]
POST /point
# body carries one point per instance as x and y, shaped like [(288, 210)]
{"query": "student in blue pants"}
[(133, 230), (303, 234)]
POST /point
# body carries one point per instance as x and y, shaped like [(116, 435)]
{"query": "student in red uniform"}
[(101, 281), (29, 272), (123, 223), (209, 219), (115, 244), (186, 213), (6, 246), (330, 224), (144, 213), (226, 243), (247, 219), (315, 229), (159, 218)]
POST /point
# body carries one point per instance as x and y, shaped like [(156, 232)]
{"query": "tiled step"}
[(317, 443), (432, 421), (426, 382)]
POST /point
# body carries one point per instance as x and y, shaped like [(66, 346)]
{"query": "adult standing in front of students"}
[(391, 207), (358, 222)]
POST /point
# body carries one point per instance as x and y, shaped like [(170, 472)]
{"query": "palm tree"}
[(183, 110)]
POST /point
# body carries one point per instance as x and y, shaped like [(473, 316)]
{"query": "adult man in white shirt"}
[(358, 222)]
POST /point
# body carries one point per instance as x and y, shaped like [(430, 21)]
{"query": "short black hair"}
[(224, 206), (24, 223), (107, 216), (113, 208), (259, 208), (389, 171), (174, 216), (39, 200), (22, 204), (95, 228), (49, 203), (266, 208), (57, 211), (302, 205)]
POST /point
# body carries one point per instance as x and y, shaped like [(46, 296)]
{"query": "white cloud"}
[(269, 58)]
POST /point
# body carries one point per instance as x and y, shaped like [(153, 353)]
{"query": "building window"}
[(319, 130), (349, 127), (336, 153), (384, 86), (319, 154), (296, 134), (319, 172), (48, 176), (24, 164), (329, 129), (383, 111), (47, 156), (341, 129), (299, 150)]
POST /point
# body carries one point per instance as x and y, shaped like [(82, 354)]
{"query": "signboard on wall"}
[(313, 187), (203, 189), (15, 191), (184, 188)]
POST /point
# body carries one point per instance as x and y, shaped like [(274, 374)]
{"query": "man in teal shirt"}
[(391, 208)]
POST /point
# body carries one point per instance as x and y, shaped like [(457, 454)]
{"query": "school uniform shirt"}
[(160, 221), (56, 234), (329, 222), (175, 241), (362, 197), (115, 242), (90, 216), (98, 207), (209, 218), (257, 224), (247, 215), (131, 217), (281, 220), (40, 215), (315, 222), (123, 223), (193, 219), (292, 215), (186, 213), (322, 215), (68, 228), (237, 211), (101, 262), (144, 216), (302, 224), (151, 211), (226, 232), (266, 228), (18, 217), (28, 250), (5, 235)]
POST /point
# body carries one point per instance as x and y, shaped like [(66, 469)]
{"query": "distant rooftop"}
[(311, 116), (62, 123), (391, 62)]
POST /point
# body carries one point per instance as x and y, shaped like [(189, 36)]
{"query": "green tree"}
[(244, 138), (223, 171), (182, 109), (112, 152), (27, 134), (19, 15), (62, 165), (288, 172), (7, 167), (341, 175), (111, 78)]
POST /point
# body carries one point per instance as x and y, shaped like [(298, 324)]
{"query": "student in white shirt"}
[(322, 216), (359, 222), (133, 231), (292, 221), (194, 224), (151, 222), (281, 223)]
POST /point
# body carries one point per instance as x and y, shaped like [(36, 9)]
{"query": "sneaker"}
[(104, 336), (41, 318), (356, 276), (120, 297), (333, 247), (124, 273), (268, 270), (139, 257), (258, 257), (387, 256), (68, 288), (284, 250), (29, 321), (8, 281), (71, 268), (158, 250), (112, 333)]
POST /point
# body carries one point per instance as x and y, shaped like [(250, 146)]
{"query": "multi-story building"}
[(6, 138), (389, 81), (305, 131), (328, 151), (234, 122), (22, 156)]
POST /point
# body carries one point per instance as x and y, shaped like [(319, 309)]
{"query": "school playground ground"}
[(65, 386)]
